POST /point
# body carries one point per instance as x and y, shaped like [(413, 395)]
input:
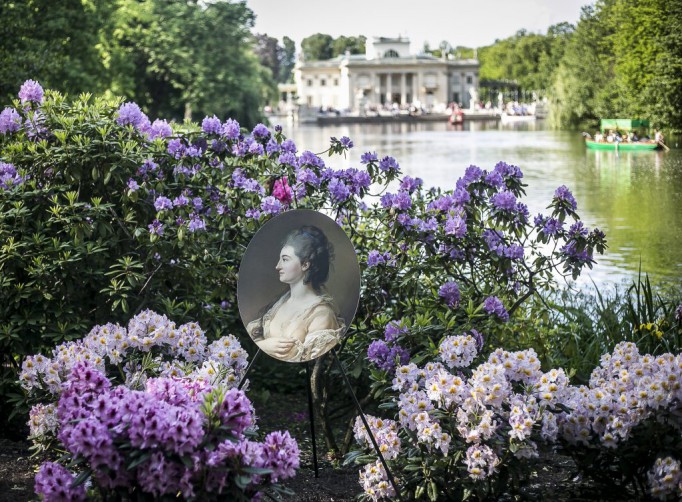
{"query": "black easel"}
[(311, 416)]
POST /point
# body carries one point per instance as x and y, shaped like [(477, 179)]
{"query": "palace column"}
[(389, 90), (403, 97)]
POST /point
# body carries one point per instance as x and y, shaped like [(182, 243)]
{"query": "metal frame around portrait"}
[(311, 414)]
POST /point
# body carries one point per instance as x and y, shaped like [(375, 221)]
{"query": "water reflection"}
[(635, 197)]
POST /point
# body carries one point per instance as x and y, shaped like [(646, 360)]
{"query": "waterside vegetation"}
[(116, 227)]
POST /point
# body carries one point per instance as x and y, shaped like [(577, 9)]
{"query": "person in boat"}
[(658, 136), (598, 137), (303, 323)]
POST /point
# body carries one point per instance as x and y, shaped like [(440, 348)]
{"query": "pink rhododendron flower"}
[(282, 191)]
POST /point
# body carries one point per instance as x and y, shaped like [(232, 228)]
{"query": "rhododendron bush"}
[(458, 425), (151, 411), (105, 212)]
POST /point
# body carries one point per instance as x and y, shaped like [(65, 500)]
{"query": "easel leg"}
[(366, 424), (248, 368), (311, 415)]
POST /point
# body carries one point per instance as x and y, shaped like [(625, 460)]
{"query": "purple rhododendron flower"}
[(504, 201), (10, 121), (450, 293), (386, 357), (196, 223), (230, 129), (346, 142), (176, 148), (160, 129), (368, 157), (55, 482), (552, 226), (394, 329), (255, 148), (31, 91), (270, 205), (409, 184), (388, 164), (456, 225), (375, 258), (578, 229), (180, 201), (338, 190), (309, 158), (272, 147), (493, 305), (564, 194), (156, 228), (402, 201), (472, 174), (253, 213), (261, 131), (9, 176), (289, 146), (162, 203), (494, 179), (132, 185), (130, 113), (305, 175), (211, 125), (288, 158), (281, 455), (505, 169)]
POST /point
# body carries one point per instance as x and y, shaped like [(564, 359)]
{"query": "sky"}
[(470, 23)]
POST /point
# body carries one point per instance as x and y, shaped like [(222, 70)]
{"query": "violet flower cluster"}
[(387, 353), (151, 345), (173, 437)]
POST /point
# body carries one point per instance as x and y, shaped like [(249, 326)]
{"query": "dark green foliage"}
[(54, 42), (622, 61), (354, 45), (317, 47), (582, 326), (176, 59), (76, 250)]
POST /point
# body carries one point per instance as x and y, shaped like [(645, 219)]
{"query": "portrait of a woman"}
[(304, 322)]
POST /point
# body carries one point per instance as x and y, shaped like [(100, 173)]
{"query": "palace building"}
[(387, 75)]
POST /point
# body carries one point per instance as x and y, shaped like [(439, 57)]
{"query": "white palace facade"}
[(386, 76)]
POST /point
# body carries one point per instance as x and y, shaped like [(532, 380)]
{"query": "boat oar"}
[(664, 146)]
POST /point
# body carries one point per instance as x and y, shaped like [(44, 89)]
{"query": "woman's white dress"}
[(320, 313)]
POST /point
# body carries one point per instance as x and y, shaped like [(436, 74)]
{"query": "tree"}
[(583, 86), (317, 47), (288, 59), (54, 42), (269, 53), (168, 65), (664, 105), (355, 45)]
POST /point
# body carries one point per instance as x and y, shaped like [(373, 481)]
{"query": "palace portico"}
[(387, 75)]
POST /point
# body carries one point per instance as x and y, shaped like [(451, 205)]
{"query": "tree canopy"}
[(176, 58)]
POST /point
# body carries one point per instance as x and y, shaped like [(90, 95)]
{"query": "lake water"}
[(634, 197)]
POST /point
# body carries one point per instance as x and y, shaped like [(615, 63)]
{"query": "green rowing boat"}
[(622, 146), (626, 125)]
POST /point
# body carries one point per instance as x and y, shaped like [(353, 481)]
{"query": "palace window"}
[(470, 79), (391, 54), (310, 82), (323, 82)]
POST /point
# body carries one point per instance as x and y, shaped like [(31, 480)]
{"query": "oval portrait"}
[(299, 286)]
